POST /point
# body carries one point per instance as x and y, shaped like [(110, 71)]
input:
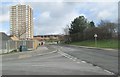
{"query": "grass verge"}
[(100, 43)]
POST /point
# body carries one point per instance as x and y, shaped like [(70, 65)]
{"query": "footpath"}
[(97, 48), (42, 50)]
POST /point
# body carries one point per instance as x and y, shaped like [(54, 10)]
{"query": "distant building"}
[(47, 37), (21, 21)]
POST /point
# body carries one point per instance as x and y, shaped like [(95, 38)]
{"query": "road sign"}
[(95, 35), (96, 39)]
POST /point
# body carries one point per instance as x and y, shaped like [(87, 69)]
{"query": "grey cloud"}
[(58, 12), (61, 13)]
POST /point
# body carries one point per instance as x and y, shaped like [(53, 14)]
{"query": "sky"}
[(52, 16)]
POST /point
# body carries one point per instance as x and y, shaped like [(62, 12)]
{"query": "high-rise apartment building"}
[(21, 21)]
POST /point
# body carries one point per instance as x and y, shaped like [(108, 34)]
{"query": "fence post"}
[(33, 44), (6, 50), (16, 44), (8, 46)]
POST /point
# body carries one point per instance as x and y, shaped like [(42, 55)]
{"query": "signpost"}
[(96, 39)]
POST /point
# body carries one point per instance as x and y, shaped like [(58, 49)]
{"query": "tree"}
[(92, 24), (77, 27), (108, 27), (22, 30), (66, 34), (66, 30)]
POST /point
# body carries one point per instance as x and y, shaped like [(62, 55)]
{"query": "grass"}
[(100, 43)]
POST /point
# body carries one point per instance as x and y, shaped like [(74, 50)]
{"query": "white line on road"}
[(109, 72), (78, 61), (69, 56), (38, 65), (83, 62)]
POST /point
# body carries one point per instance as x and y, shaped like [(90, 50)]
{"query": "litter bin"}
[(23, 48)]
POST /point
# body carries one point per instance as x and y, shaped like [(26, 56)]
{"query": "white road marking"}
[(109, 72), (38, 65), (78, 61), (83, 62)]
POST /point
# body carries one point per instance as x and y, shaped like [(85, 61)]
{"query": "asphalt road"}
[(106, 59), (48, 61)]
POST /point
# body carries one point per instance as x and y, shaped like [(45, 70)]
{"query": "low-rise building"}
[(3, 42), (47, 37)]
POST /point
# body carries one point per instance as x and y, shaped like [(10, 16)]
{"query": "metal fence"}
[(10, 45)]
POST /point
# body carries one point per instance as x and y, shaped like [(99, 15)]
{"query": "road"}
[(50, 60), (106, 59)]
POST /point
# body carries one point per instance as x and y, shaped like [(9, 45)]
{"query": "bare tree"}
[(22, 30), (66, 34), (66, 30)]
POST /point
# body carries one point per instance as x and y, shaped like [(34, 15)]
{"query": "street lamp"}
[(96, 39)]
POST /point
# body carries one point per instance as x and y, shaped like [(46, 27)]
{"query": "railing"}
[(10, 45)]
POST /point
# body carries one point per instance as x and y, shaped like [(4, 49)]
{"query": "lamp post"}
[(96, 39)]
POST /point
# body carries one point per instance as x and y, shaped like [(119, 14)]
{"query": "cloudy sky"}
[(51, 16)]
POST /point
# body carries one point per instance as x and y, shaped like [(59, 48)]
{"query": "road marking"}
[(78, 61), (83, 62), (38, 65), (109, 72), (68, 56)]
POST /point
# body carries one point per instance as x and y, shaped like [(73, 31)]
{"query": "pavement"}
[(108, 49), (49, 60)]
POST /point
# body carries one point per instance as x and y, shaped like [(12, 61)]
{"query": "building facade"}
[(21, 21), (48, 37)]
